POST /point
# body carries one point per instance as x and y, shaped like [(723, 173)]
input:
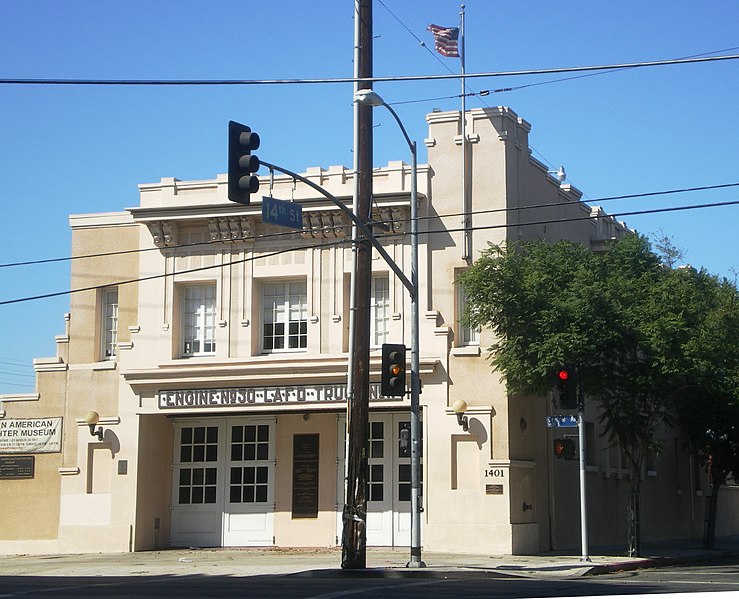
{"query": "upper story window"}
[(198, 304), (379, 310), (109, 323), (284, 316), (468, 335)]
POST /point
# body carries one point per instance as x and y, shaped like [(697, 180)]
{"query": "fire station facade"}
[(215, 354)]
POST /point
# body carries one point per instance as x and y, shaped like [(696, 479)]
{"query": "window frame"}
[(467, 335), (201, 321), (109, 320), (279, 315), (379, 310)]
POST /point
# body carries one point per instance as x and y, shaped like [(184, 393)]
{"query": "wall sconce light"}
[(459, 407), (91, 419)]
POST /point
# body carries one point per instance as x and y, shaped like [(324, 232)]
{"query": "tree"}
[(620, 315), (708, 399)]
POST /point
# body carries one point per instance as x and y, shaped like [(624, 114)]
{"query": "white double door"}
[(223, 482), (389, 479)]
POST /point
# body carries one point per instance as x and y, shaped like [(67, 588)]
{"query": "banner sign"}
[(261, 396), (30, 435)]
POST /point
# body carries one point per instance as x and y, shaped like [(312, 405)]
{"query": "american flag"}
[(445, 40)]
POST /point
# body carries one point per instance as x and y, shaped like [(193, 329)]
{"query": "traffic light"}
[(566, 385), (564, 448), (242, 164), (393, 370)]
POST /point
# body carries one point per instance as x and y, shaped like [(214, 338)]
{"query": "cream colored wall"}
[(306, 532), (153, 482), (76, 496)]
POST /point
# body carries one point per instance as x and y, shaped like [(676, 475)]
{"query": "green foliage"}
[(636, 329)]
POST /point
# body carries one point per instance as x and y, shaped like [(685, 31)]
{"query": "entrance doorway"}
[(389, 480), (223, 482)]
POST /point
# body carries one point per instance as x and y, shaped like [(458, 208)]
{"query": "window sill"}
[(105, 365), (466, 350)]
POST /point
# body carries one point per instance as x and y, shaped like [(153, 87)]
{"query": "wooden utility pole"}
[(354, 536)]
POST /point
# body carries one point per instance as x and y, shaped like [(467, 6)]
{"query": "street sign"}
[(561, 422), (282, 213)]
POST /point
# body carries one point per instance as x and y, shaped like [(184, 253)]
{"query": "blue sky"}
[(71, 149)]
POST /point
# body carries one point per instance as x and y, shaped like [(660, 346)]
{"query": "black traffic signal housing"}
[(242, 164), (565, 381), (564, 448), (392, 383)]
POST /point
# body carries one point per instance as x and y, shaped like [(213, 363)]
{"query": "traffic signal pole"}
[(583, 495)]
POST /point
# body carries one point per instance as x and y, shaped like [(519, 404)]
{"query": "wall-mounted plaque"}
[(17, 467), (493, 489), (305, 476)]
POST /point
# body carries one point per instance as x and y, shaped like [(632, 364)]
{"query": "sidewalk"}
[(381, 562)]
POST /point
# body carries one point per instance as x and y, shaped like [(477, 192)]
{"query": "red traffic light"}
[(563, 375)]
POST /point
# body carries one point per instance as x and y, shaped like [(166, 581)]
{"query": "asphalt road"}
[(722, 576)]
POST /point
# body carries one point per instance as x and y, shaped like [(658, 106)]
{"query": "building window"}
[(380, 310), (249, 476), (376, 478), (199, 320), (109, 325), (284, 316), (468, 335), (197, 481)]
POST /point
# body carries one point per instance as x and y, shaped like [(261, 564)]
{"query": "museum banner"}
[(30, 435)]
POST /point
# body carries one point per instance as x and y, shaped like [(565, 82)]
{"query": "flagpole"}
[(466, 248)]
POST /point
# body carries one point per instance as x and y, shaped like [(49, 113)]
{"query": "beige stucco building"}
[(214, 349)]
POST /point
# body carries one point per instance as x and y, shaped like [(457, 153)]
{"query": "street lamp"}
[(367, 97)]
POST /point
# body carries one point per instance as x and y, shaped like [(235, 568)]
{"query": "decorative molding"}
[(125, 345), (231, 228), (472, 138), (49, 365), (324, 224), (134, 329), (104, 420), (69, 470), (163, 232), (395, 217), (20, 397), (430, 142), (336, 318), (107, 364), (466, 350), (442, 331)]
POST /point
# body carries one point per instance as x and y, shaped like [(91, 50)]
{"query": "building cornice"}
[(262, 370)]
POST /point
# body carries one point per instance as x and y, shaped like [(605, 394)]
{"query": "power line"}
[(387, 79), (16, 384), (348, 241), (437, 216), (170, 274)]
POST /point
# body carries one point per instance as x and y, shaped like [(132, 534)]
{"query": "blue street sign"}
[(282, 213), (561, 422)]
